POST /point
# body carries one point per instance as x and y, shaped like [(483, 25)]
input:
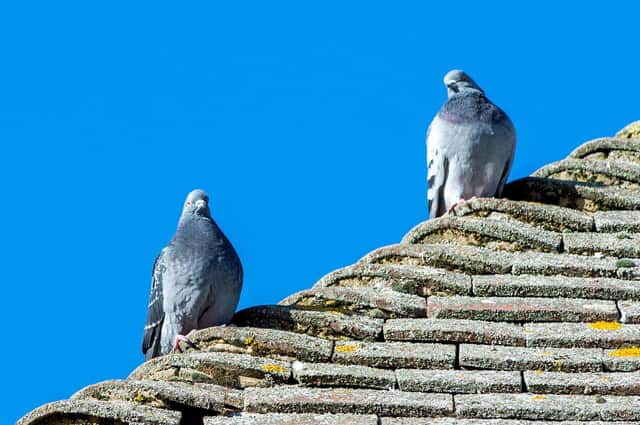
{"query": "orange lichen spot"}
[(347, 348), (626, 352), (605, 326), (537, 397), (270, 367)]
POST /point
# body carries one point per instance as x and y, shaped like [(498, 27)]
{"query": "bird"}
[(470, 146), (196, 280)]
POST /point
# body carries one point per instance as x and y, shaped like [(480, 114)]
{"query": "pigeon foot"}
[(177, 340)]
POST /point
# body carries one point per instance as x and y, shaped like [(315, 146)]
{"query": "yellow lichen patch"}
[(248, 340), (605, 326), (626, 352), (537, 397), (270, 367), (348, 348), (545, 353), (539, 371)]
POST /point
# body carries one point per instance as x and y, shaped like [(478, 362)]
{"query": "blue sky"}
[(304, 123)]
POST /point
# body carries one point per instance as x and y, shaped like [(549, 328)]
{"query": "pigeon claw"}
[(179, 339), (460, 202)]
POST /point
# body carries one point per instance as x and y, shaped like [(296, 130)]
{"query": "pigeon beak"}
[(200, 203)]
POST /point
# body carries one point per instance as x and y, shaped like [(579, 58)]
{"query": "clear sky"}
[(305, 124)]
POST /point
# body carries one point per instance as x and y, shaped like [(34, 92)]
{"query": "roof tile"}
[(221, 368), (548, 407), (520, 309), (453, 330), (521, 358), (583, 335), (555, 286), (381, 303), (497, 233), (549, 217), (89, 411), (325, 324), (394, 355), (617, 221), (459, 381), (292, 419), (625, 383), (468, 259), (259, 341), (415, 280), (337, 375), (341, 400)]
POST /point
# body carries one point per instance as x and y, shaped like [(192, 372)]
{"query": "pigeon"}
[(196, 280), (470, 146)]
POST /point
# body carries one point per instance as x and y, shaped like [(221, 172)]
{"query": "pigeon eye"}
[(188, 203)]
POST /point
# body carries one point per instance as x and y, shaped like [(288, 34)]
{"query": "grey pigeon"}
[(470, 146), (196, 280)]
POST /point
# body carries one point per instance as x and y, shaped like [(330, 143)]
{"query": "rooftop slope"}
[(505, 311)]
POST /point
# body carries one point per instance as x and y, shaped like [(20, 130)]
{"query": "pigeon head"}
[(197, 203), (458, 80)]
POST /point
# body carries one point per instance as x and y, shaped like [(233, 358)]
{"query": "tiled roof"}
[(506, 311)]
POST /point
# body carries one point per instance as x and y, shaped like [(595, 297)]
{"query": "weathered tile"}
[(326, 324), (549, 217), (548, 407), (459, 381), (572, 194), (517, 309), (159, 393), (614, 173), (455, 421), (585, 335), (336, 375), (410, 279), (453, 330), (626, 359), (564, 264), (109, 411), (342, 400), (617, 221), (608, 145), (221, 368), (467, 259), (629, 311), (291, 419), (501, 234), (381, 303), (259, 341), (395, 355), (621, 244), (555, 286), (611, 383), (524, 358)]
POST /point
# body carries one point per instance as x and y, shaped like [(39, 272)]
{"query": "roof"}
[(502, 312)]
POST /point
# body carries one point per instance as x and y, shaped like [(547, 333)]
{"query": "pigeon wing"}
[(511, 143), (155, 311), (437, 170)]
